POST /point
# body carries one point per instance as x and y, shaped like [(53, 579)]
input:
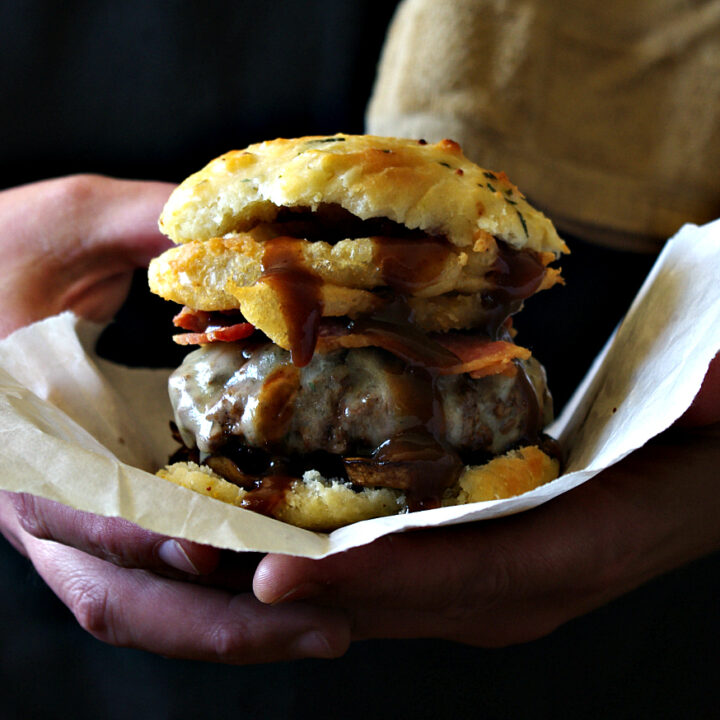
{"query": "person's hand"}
[(73, 243), (133, 588), (705, 408), (517, 578)]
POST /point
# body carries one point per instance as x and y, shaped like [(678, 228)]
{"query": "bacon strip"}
[(231, 333), (193, 320), (480, 356), (207, 327), (476, 355)]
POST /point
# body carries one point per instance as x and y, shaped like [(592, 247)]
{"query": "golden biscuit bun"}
[(316, 503), (433, 188)]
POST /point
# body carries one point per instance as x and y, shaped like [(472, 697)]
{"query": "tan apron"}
[(606, 113)]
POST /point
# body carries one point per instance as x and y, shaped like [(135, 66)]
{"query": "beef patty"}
[(346, 402)]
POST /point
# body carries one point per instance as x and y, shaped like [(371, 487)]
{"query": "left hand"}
[(73, 244)]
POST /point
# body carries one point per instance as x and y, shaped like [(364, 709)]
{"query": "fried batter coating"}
[(261, 306), (201, 271), (226, 273)]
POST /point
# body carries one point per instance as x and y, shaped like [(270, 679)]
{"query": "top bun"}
[(433, 188)]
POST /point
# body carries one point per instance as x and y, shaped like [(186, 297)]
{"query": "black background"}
[(153, 90)]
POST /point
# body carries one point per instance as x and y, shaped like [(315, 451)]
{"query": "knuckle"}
[(114, 539), (74, 197), (30, 516), (499, 605), (495, 583), (75, 191), (90, 604), (227, 640), (99, 539)]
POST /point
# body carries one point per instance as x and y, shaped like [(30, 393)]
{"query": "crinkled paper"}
[(89, 433)]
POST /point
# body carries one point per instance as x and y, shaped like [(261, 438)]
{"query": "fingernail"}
[(172, 553), (300, 592), (313, 644)]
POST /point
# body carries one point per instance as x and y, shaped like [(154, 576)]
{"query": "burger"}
[(351, 299)]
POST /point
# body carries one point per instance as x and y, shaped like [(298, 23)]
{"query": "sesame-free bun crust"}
[(319, 504), (433, 188)]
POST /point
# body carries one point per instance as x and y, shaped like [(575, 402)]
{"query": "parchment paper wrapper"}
[(88, 433)]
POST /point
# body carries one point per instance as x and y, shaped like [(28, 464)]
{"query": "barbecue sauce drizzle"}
[(406, 264), (416, 460), (516, 275), (409, 264), (300, 292)]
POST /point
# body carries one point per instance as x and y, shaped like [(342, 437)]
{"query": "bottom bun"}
[(316, 503)]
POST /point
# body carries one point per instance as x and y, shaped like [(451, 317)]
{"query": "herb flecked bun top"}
[(432, 188)]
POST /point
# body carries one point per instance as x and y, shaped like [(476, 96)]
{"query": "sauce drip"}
[(267, 494), (416, 460), (531, 405), (264, 476), (410, 264), (433, 465), (516, 274), (299, 290)]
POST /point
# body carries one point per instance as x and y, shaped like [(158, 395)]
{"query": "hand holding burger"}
[(482, 583)]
